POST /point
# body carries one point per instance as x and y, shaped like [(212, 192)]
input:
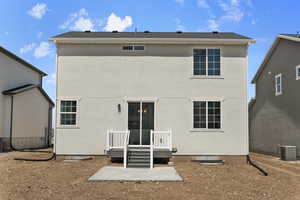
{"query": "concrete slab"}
[(115, 173)]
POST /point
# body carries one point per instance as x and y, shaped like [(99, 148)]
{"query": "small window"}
[(127, 48), (298, 72), (133, 48), (278, 84), (207, 114), (207, 62), (139, 48), (68, 112)]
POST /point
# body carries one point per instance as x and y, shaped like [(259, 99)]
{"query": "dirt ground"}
[(68, 180)]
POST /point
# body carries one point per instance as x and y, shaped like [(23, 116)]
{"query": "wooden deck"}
[(157, 153)]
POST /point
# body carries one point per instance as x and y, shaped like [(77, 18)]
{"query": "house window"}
[(207, 62), (278, 84), (68, 112), (298, 72), (133, 48), (207, 114)]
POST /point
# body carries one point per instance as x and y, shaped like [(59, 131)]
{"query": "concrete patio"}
[(114, 173)]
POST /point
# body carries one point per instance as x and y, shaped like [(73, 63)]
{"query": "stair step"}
[(139, 157), (138, 165), (138, 161), (138, 153)]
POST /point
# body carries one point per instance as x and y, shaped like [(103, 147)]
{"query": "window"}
[(68, 112), (298, 72), (207, 114), (207, 62), (133, 48), (278, 84)]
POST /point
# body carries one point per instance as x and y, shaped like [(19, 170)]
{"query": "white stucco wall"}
[(12, 74), (102, 76)]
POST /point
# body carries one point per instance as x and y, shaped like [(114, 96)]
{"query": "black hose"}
[(257, 167), (24, 150)]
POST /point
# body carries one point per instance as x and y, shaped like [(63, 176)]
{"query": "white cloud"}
[(232, 10), (179, 25), (202, 4), (27, 48), (42, 50), (116, 23), (78, 21), (213, 25), (39, 35), (253, 21), (52, 78), (83, 24), (38, 11), (180, 1)]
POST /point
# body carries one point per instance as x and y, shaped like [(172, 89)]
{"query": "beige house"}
[(159, 93), (25, 108)]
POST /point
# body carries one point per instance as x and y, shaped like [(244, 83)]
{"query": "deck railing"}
[(151, 149), (162, 139), (115, 139)]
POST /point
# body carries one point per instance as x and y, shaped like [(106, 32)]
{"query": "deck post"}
[(151, 149)]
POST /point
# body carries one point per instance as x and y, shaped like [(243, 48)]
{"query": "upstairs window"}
[(298, 72), (68, 112), (133, 48), (207, 62), (278, 84), (207, 114)]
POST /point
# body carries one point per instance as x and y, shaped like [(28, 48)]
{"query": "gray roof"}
[(20, 60), (291, 35), (200, 35), (26, 87)]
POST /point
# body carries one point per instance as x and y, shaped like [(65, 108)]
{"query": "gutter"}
[(152, 40)]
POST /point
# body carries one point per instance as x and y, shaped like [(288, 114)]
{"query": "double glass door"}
[(140, 122)]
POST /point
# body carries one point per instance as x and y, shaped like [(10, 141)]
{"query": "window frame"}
[(76, 125), (297, 72), (193, 129), (133, 48), (206, 64), (277, 93)]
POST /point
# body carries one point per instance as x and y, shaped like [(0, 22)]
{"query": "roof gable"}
[(24, 88), (20, 60), (291, 37)]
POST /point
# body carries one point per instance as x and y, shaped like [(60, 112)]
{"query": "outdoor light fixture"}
[(119, 108)]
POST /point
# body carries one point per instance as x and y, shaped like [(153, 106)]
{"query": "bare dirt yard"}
[(57, 179)]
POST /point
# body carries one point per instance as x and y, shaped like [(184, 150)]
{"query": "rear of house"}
[(274, 114), (189, 88), (25, 108)]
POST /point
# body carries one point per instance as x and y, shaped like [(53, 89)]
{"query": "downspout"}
[(249, 161), (11, 138)]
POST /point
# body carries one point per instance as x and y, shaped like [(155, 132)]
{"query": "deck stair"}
[(138, 157)]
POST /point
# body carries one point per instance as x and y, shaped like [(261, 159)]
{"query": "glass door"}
[(140, 122)]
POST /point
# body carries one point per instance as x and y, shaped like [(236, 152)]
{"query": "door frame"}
[(141, 100)]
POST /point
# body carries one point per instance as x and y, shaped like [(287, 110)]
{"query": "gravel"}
[(68, 180)]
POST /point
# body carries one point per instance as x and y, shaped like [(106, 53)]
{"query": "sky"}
[(26, 26)]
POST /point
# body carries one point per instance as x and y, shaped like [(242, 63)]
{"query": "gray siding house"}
[(274, 114), (25, 108), (163, 91)]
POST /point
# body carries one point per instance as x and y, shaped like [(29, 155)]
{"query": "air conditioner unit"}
[(288, 153)]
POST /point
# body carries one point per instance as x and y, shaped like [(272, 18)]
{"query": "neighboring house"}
[(274, 114), (190, 88), (25, 108)]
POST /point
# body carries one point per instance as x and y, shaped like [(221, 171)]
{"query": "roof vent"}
[(178, 31), (146, 31), (87, 31), (114, 31), (215, 32)]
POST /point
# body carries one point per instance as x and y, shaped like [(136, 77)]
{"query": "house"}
[(274, 114), (173, 92), (25, 108)]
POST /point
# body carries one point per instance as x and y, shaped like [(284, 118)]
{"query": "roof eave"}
[(152, 40)]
